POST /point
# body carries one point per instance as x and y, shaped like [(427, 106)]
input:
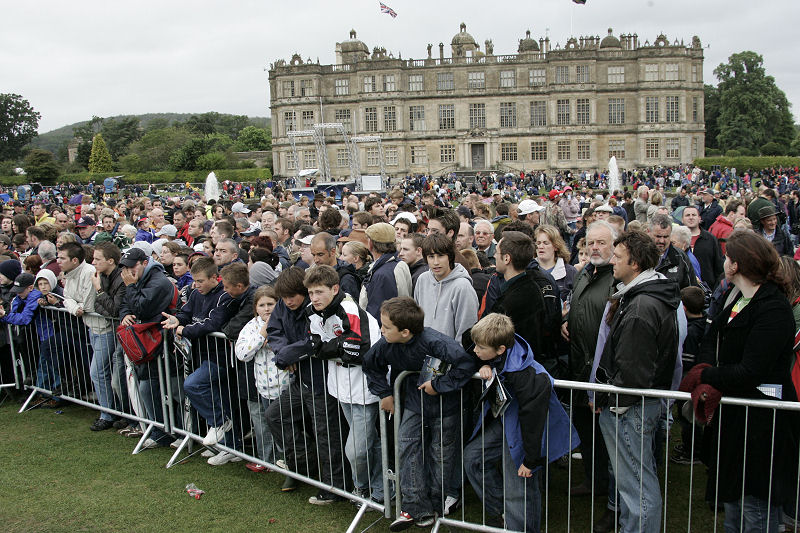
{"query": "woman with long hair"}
[(553, 256), (750, 347)]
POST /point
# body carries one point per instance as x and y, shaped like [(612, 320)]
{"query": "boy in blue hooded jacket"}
[(533, 430)]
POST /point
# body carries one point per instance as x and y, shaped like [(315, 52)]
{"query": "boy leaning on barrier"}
[(504, 457), (431, 414), (340, 329)]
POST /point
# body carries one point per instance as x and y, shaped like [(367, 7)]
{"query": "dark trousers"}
[(307, 424), (593, 447)]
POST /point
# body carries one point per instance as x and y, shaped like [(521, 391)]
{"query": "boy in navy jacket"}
[(431, 415)]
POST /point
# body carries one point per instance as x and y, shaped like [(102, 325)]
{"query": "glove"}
[(329, 349), (692, 379), (351, 350)]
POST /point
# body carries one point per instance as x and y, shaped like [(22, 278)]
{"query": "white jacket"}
[(79, 292), (270, 380), (348, 385)]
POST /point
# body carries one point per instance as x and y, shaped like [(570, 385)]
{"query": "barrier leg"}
[(357, 519), (173, 460), (25, 405), (142, 440)]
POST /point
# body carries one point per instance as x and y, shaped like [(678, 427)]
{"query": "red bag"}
[(140, 342)]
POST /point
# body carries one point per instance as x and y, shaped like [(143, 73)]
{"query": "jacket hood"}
[(458, 272), (152, 266), (344, 267), (663, 289), (49, 276)]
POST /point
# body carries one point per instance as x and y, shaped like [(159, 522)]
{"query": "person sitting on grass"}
[(270, 381), (429, 424), (504, 457)]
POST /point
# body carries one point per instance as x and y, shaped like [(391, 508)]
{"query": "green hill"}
[(55, 139)]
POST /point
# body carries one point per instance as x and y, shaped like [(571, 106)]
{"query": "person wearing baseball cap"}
[(529, 211), (144, 233), (87, 230), (167, 231), (709, 208), (388, 276)]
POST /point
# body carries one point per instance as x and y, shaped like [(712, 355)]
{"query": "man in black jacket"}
[(107, 281), (770, 230), (708, 208), (640, 351), (705, 247), (148, 293), (673, 263)]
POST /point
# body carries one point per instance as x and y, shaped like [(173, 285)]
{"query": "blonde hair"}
[(493, 330), (554, 236)]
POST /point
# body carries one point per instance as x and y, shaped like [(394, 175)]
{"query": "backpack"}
[(142, 342)]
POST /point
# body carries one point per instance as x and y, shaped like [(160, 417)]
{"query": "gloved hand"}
[(351, 350), (329, 349)]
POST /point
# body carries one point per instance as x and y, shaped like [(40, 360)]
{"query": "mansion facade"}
[(543, 108)]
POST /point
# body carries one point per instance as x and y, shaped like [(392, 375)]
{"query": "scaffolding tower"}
[(352, 151), (293, 136)]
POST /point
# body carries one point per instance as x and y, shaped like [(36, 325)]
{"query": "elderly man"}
[(768, 219), (323, 252), (225, 253), (465, 237), (592, 288), (673, 262), (641, 204), (484, 239), (709, 208)]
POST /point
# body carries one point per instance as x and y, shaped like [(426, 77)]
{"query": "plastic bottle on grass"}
[(192, 489)]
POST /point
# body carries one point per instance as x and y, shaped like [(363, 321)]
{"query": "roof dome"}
[(527, 44), (462, 37), (354, 45), (609, 41)]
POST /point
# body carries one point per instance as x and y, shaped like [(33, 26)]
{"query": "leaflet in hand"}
[(497, 396)]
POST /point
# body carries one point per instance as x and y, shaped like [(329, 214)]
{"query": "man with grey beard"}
[(593, 287)]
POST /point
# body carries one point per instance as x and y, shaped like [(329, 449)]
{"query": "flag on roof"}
[(389, 11), (582, 2)]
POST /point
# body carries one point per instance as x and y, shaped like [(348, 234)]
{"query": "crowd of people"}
[(326, 300)]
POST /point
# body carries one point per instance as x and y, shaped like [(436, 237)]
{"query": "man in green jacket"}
[(593, 287)]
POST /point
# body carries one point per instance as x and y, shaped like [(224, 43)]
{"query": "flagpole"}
[(571, 10)]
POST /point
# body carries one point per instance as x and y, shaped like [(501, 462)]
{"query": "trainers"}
[(215, 434), (425, 521), (324, 497), (175, 444), (289, 484), (451, 504), (133, 432), (149, 444), (208, 453), (402, 522), (223, 457), (101, 425), (120, 424), (280, 463)]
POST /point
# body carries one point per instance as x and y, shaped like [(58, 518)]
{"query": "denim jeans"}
[(268, 448), (47, 375), (755, 516), (150, 395), (363, 448), (207, 390), (522, 505), (427, 456), (103, 346), (629, 441)]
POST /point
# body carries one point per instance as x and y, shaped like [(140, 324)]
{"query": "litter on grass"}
[(193, 491)]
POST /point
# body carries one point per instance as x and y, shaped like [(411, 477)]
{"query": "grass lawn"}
[(56, 475)]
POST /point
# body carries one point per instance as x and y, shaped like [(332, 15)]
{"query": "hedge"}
[(743, 163), (199, 176)]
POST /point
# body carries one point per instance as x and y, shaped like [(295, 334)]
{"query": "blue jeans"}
[(47, 375), (103, 345), (427, 455), (363, 448), (755, 516), (207, 390), (522, 505), (267, 448), (629, 440)]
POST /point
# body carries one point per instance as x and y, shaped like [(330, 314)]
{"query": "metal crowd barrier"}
[(63, 359), (10, 365), (303, 434), (556, 481)]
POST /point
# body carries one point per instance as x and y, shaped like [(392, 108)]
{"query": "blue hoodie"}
[(548, 433)]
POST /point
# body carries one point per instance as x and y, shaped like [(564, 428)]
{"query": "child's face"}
[(264, 307), (179, 266), (322, 296), (487, 353), (391, 333), (44, 286)]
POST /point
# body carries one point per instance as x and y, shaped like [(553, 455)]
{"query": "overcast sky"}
[(72, 60)]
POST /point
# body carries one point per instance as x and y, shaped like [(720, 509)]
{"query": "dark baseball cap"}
[(85, 222), (22, 282), (132, 256)]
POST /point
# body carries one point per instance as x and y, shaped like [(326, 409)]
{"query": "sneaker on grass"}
[(402, 522), (324, 497), (451, 504), (223, 457), (208, 453), (216, 434)]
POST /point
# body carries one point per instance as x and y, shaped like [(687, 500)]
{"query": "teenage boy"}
[(430, 424), (445, 291), (208, 309), (305, 414), (518, 442), (340, 329)]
